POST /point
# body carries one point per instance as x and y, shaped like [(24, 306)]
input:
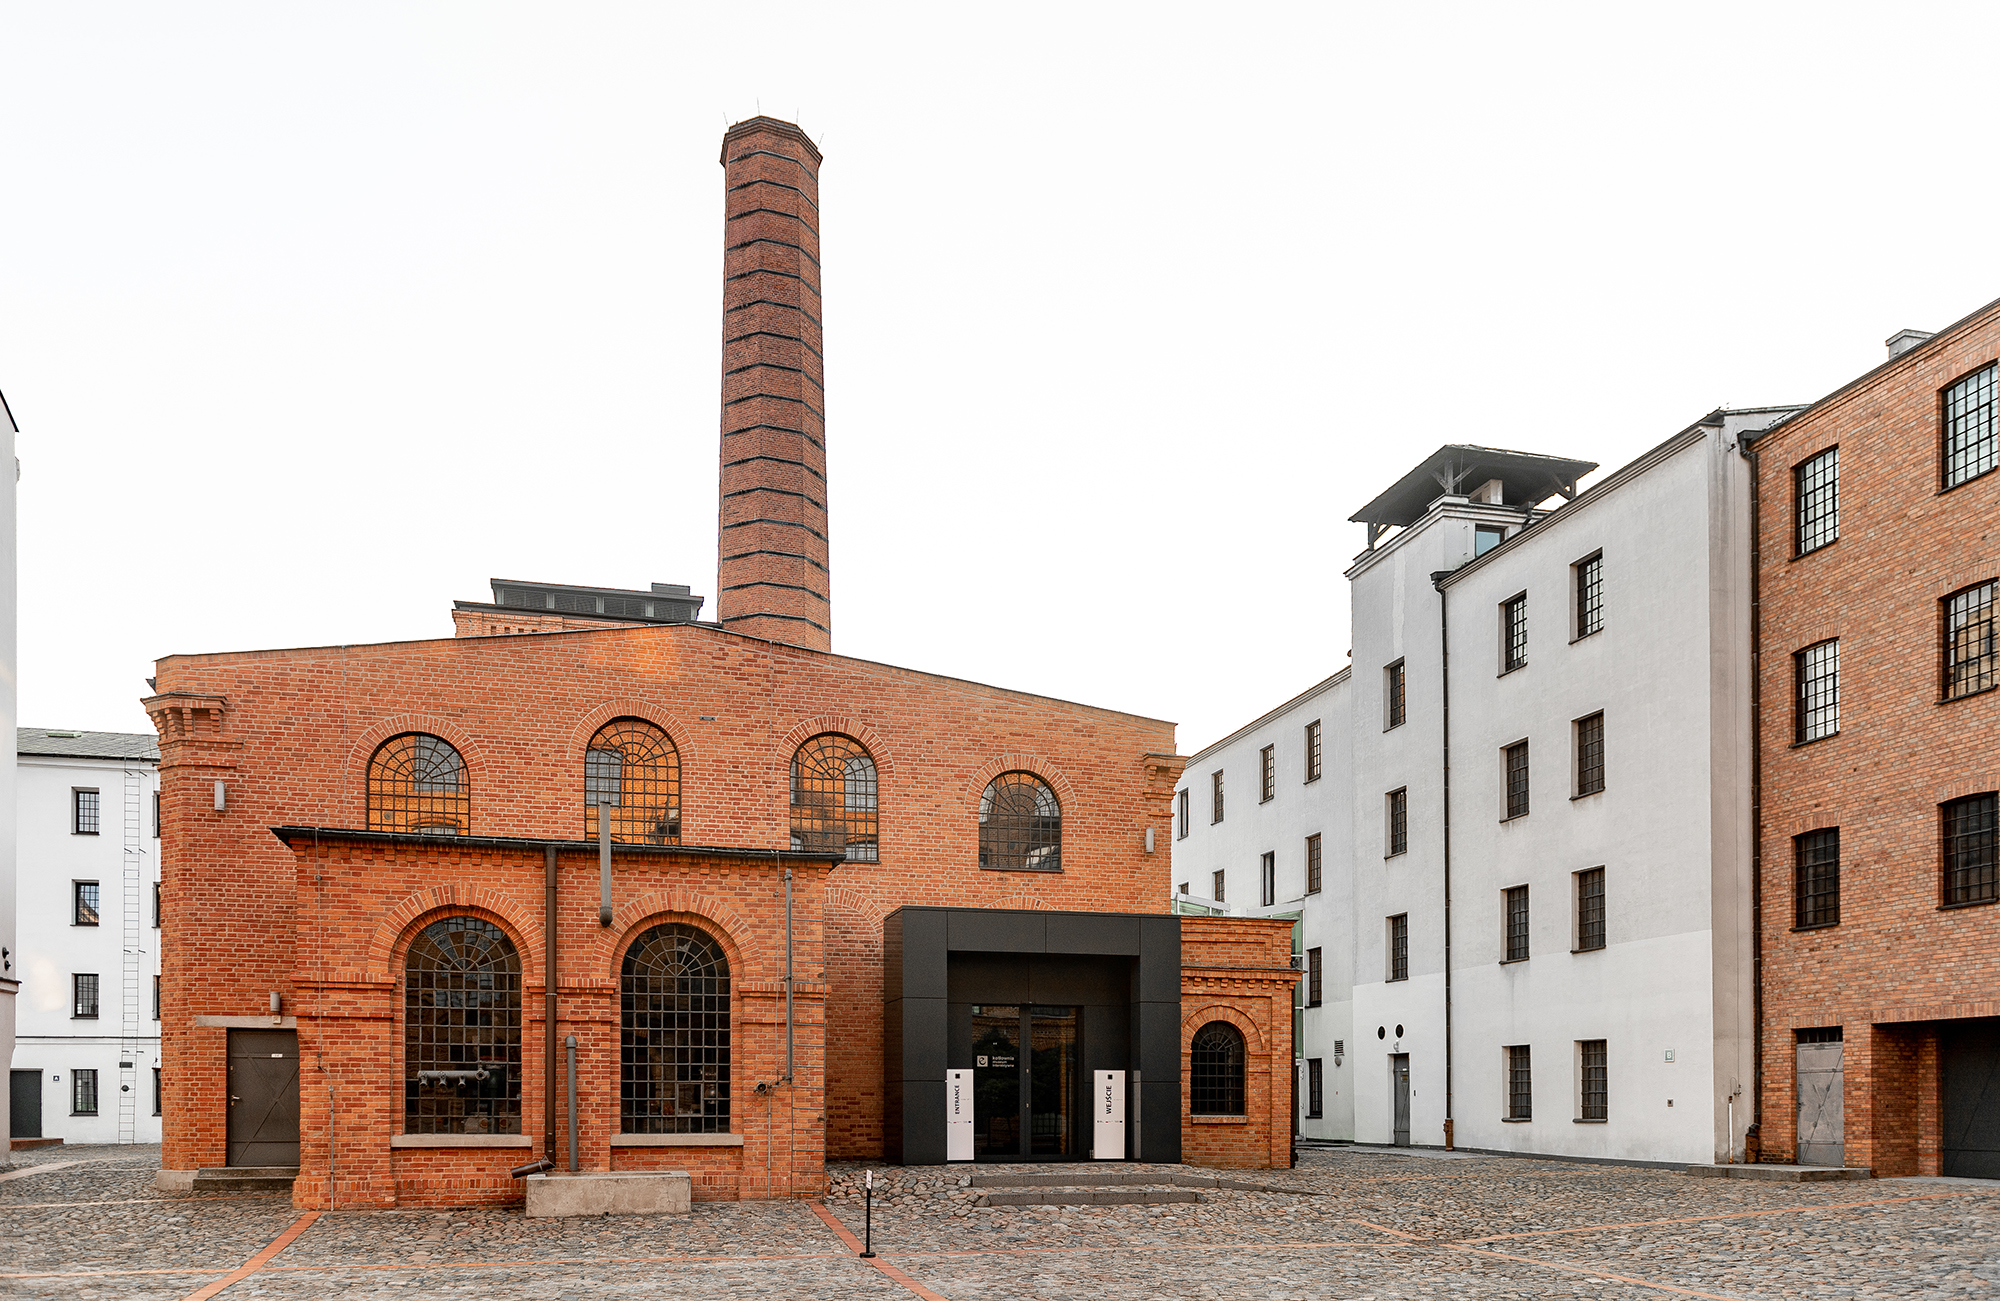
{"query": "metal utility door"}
[(1822, 1123), (1399, 1080), (1969, 1061), (264, 1097), (24, 1094)]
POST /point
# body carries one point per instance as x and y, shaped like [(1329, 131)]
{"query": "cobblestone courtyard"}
[(86, 1223)]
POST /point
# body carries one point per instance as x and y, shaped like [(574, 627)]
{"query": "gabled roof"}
[(1526, 478), (59, 743)]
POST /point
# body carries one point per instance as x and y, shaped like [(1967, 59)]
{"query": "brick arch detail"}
[(840, 898), (676, 904), (1020, 761), (352, 797), (646, 711), (1253, 1038), (391, 941), (847, 725), (1025, 902)]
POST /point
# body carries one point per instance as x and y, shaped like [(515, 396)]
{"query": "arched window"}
[(462, 1030), (418, 782), (1020, 825), (1215, 1075), (674, 1021), (632, 768), (834, 807)]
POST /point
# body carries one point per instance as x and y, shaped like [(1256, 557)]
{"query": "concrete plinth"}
[(652, 1192), (1794, 1174)]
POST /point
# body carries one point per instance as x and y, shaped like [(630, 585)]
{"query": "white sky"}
[(314, 318)]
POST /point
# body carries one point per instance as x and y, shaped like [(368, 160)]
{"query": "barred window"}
[(1183, 814), (1520, 1084), (1216, 892), (83, 1093), (674, 1076), (83, 908), (1313, 974), (462, 1030), (1517, 923), (1969, 842), (1596, 1091), (1312, 751), (1970, 448), (1020, 825), (1590, 754), (1215, 797), (1818, 669), (1516, 763), (1267, 871), (418, 782), (1816, 494), (1399, 947), (1816, 858), (1590, 909), (83, 985), (1267, 765), (1215, 1070), (83, 812), (1393, 685), (835, 808), (1399, 822), (1970, 658), (1514, 633), (632, 768), (1589, 596), (1313, 867), (1315, 1088)]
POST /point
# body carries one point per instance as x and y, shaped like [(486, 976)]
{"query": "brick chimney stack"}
[(772, 554)]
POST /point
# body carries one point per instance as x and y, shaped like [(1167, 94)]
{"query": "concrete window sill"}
[(1970, 903), (1220, 1120), (1587, 795), (1580, 1121), (677, 1140), (1508, 962), (460, 1140), (1517, 1120)]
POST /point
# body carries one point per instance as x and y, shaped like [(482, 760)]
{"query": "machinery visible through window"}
[(462, 1030), (674, 1034)]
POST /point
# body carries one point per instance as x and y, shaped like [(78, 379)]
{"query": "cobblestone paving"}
[(85, 1223)]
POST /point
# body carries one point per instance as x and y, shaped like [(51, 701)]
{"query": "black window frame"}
[(1399, 947), (86, 896), (1216, 883), (86, 806), (1514, 780), (1520, 1082), (1590, 754), (156, 998), (78, 1078), (1395, 695), (1968, 830), (1315, 976), (1183, 815), (675, 1023), (1313, 750), (1977, 613), (159, 906), (1594, 1082), (463, 1010), (1315, 1088), (1215, 803), (1267, 774), (836, 798), (1397, 810), (1813, 701), (1816, 879), (1990, 373), (1216, 1071), (1315, 864), (1516, 934), (1590, 912), (1267, 878), (1020, 824), (1514, 633), (156, 827), (1816, 502), (156, 1091), (82, 995), (1589, 589)]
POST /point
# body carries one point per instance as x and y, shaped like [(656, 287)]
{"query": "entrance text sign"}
[(958, 1115), (1107, 1115)]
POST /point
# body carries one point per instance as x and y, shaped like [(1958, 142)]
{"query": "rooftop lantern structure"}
[(1498, 477)]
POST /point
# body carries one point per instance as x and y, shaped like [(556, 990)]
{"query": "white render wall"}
[(10, 970), (50, 1039)]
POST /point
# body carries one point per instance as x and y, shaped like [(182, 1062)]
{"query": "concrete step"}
[(1096, 1197), (23, 1144), (1120, 1179), (246, 1179), (1795, 1174)]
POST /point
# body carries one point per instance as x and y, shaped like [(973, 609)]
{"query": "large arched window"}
[(674, 1034), (1215, 1075), (632, 768), (834, 807), (418, 782), (1020, 825), (462, 1030)]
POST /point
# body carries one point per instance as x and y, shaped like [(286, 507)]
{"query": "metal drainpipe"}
[(1747, 445), (549, 1010), (570, 1044), (1444, 660), (603, 864), (788, 975)]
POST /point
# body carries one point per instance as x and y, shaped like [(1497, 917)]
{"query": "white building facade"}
[(10, 966), (86, 1061)]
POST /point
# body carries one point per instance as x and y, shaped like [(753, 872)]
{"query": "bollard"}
[(868, 1219)]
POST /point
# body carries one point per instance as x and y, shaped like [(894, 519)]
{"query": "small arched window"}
[(632, 768), (674, 1034), (462, 1030), (1215, 1073), (417, 782), (1020, 825), (834, 801)]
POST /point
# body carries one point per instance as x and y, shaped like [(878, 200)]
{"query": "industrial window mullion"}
[(1816, 498), (1971, 655), (1590, 909), (1596, 1080), (1520, 1084), (1817, 858), (1517, 779), (1312, 751), (1514, 633), (1399, 947), (1313, 864), (1267, 763), (1817, 669), (1399, 821), (1589, 596), (1517, 923), (1590, 755), (1971, 447), (1970, 849)]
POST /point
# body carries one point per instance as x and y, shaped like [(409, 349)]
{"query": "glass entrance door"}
[(1024, 1103), (1052, 1080), (996, 1080)]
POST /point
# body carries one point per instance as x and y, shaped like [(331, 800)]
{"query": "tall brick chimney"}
[(772, 571)]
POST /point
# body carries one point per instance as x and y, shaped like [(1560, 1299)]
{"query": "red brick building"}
[(1878, 548), (393, 917)]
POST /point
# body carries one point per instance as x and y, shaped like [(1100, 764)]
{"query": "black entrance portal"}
[(263, 1097), (24, 1093), (1032, 1092)]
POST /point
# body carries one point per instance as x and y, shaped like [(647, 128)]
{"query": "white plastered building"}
[(10, 966)]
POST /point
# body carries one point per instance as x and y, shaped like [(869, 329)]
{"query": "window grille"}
[(1216, 893), (1596, 1080), (418, 783), (84, 986), (84, 909), (1312, 751), (1970, 654), (1816, 856), (1589, 596), (1520, 1084), (84, 804), (1313, 973), (1215, 797), (1590, 755), (1517, 923), (1590, 909), (1970, 448), (674, 1077), (1514, 633), (835, 806), (1394, 694), (1818, 669), (1313, 866), (1267, 763), (1517, 780), (1183, 812), (1215, 1075), (1315, 1088), (1399, 947), (1969, 875), (1399, 822), (632, 768), (1267, 871), (1020, 825), (462, 1019), (1816, 492), (1821, 1034), (83, 1093)]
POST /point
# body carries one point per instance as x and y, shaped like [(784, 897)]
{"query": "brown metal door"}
[(1822, 1103), (264, 1098)]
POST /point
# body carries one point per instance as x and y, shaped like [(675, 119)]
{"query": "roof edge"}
[(293, 834), (1325, 684)]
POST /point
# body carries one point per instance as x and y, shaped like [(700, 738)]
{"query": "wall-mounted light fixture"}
[(221, 797), (1149, 840)]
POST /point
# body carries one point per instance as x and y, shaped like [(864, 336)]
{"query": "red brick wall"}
[(513, 623), (1238, 969)]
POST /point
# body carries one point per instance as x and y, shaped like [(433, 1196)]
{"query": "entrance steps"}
[(1794, 1174), (245, 1179), (1100, 1187)]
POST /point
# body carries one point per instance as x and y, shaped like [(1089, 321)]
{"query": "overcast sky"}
[(315, 318)]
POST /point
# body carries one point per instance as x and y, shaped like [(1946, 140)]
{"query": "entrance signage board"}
[(1107, 1115), (958, 1115)]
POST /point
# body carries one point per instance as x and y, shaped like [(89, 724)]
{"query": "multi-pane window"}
[(1520, 1084), (1514, 633), (1392, 688), (632, 768), (1313, 974), (1816, 492), (1399, 822), (1590, 754), (1182, 814), (1267, 767), (1315, 1088), (156, 905), (1313, 864), (83, 988), (418, 783), (1312, 751), (83, 812), (1970, 446), (1971, 658), (1816, 859), (83, 904), (462, 1030), (1516, 768), (1818, 671), (1215, 891), (83, 1093), (1589, 596), (156, 998), (156, 825), (1215, 1070), (1969, 875), (1596, 1091), (1267, 873), (834, 802), (1215, 796), (1399, 947), (1590, 909), (1517, 923), (674, 1034), (1020, 825), (156, 1090)]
